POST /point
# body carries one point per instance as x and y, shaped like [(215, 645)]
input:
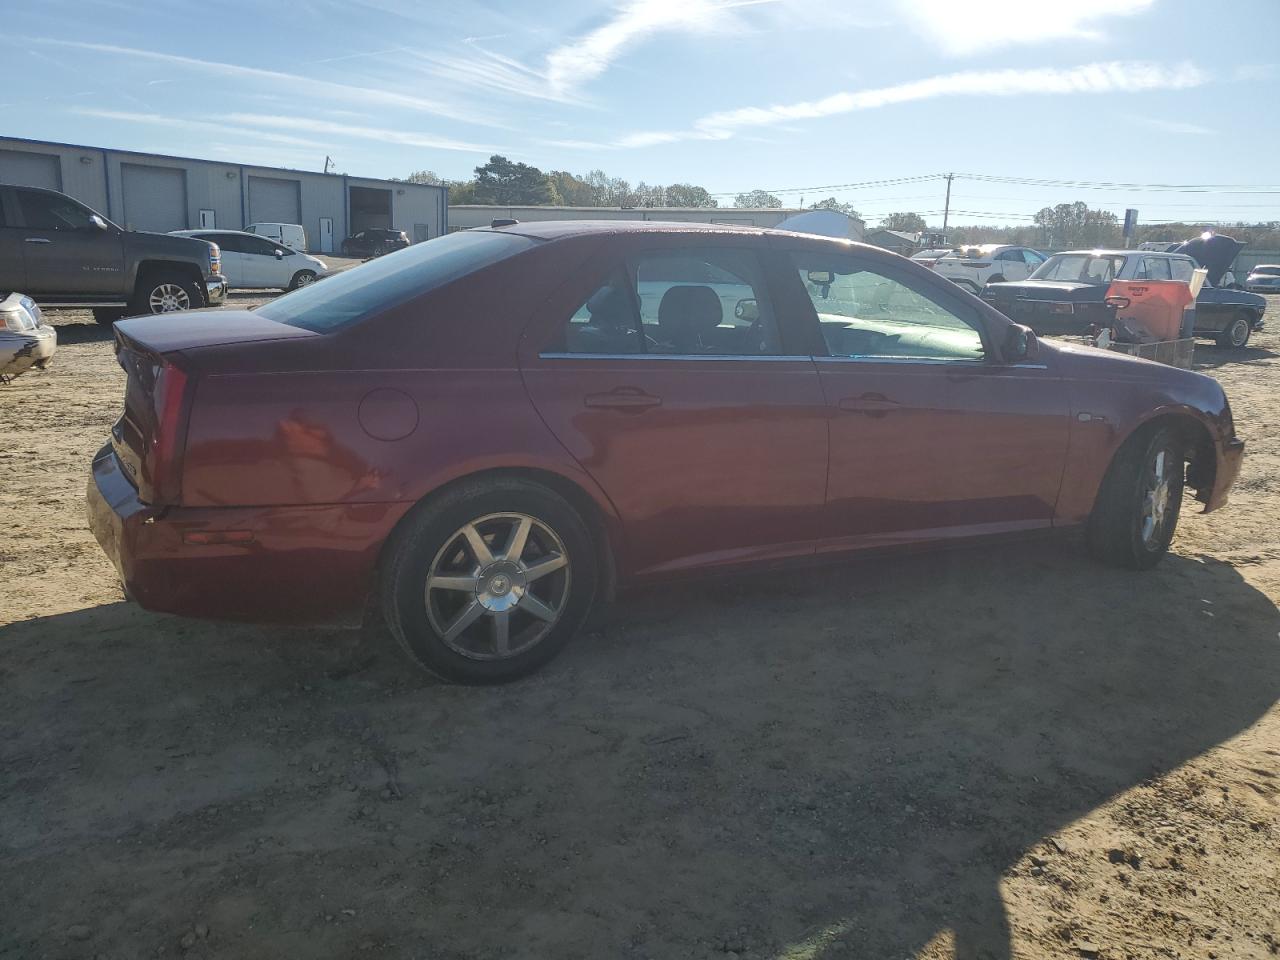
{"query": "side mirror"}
[(98, 222), (747, 310), (1021, 346), (279, 254)]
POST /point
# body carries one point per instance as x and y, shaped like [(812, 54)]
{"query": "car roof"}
[(557, 229), (1126, 253), (187, 233)]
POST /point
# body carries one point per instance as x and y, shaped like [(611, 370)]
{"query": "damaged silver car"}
[(26, 341)]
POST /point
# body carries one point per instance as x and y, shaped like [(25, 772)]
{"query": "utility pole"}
[(946, 209)]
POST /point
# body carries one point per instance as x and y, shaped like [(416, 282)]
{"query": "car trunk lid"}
[(160, 386)]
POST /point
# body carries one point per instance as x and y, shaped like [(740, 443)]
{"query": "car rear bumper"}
[(305, 565), (1230, 454)]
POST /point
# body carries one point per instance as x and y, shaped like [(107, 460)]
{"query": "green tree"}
[(573, 191), (507, 182), (756, 198), (688, 195), (463, 192), (1076, 225), (425, 176), (831, 203), (905, 222)]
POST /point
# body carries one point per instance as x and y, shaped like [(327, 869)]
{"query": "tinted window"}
[(50, 211), (694, 301), (258, 246), (1032, 258), (865, 313), (704, 301), (227, 242), (607, 322), (354, 294)]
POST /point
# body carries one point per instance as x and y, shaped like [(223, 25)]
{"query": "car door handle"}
[(623, 398), (38, 240), (871, 403)]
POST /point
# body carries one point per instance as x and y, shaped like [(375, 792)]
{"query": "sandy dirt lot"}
[(1000, 752)]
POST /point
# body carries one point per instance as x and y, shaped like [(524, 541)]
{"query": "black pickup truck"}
[(64, 254)]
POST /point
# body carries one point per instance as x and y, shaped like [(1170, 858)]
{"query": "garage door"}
[(30, 169), (274, 201), (155, 198)]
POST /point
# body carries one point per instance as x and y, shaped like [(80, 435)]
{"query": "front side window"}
[(865, 313), (258, 246), (1182, 269), (1080, 268), (49, 211), (370, 288), (689, 302), (1032, 258)]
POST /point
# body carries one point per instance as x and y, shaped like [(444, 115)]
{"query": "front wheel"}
[(165, 292), (302, 278), (1237, 332), (488, 583), (1136, 513), (107, 316)]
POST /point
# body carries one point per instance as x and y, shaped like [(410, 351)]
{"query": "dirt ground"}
[(1000, 752)]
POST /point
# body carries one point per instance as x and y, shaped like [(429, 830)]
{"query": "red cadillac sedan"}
[(487, 433)]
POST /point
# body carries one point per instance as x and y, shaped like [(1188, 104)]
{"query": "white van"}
[(289, 235)]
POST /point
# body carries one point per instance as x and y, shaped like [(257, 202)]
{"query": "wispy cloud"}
[(1175, 126), (1114, 77), (354, 132), (571, 66), (196, 126), (317, 88), (955, 28)]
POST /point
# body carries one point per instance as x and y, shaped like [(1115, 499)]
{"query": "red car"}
[(484, 434)]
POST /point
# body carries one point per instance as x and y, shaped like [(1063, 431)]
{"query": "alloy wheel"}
[(1155, 498), (168, 298), (497, 586)]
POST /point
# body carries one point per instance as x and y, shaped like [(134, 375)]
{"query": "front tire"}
[(1237, 332), (107, 316), (488, 582), (302, 278), (165, 291), (1137, 510)]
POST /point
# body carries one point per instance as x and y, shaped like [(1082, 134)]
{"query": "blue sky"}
[(789, 95)]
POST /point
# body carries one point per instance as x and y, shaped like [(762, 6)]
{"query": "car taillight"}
[(166, 444)]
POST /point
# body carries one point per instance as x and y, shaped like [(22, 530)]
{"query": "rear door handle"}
[(38, 240), (873, 403), (623, 398)]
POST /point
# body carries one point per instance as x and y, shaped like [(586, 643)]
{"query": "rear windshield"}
[(354, 294), (1267, 271), (1080, 268)]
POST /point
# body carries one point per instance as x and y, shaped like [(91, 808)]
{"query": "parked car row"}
[(975, 267), (1068, 294), (484, 434)]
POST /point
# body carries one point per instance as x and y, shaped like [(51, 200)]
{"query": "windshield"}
[(354, 294), (1080, 268)]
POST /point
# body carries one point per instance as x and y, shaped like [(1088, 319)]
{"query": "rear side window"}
[(1182, 270), (354, 294)]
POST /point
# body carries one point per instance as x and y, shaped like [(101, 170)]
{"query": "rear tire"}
[(107, 316), (1137, 509), (1236, 333), (493, 612), (165, 291), (302, 278)]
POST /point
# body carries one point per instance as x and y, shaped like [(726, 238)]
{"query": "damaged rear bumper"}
[(19, 352)]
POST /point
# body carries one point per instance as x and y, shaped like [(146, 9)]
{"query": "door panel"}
[(13, 273), (660, 368), (931, 436), (921, 450), (706, 461), (63, 252)]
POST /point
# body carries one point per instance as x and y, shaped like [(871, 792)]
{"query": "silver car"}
[(1264, 278), (26, 341)]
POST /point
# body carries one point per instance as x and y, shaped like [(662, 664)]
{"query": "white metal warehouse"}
[(147, 191)]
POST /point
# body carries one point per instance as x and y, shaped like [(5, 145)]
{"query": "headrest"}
[(687, 313)]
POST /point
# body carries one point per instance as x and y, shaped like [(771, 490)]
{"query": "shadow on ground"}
[(1210, 357), (831, 763)]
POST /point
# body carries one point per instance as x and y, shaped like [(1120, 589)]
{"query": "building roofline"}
[(219, 163)]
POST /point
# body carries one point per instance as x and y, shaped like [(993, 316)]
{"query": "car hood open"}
[(1215, 253)]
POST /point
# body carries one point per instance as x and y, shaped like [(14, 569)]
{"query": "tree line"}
[(509, 183)]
